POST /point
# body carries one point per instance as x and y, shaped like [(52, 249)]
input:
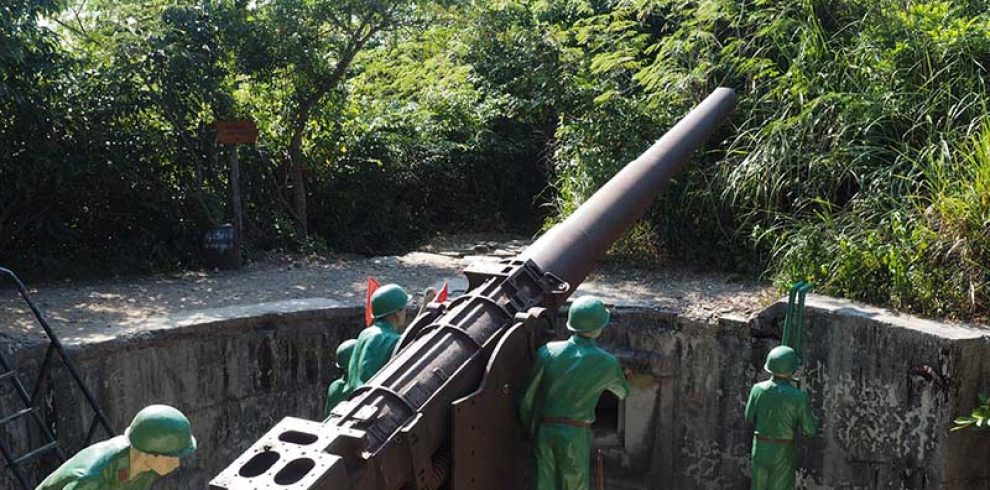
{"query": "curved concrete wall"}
[(884, 387), (234, 372)]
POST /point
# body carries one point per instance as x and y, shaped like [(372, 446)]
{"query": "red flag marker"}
[(369, 318), (442, 295)]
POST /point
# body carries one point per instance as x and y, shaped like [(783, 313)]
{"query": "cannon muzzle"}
[(571, 248)]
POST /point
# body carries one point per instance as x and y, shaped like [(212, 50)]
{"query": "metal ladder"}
[(8, 372)]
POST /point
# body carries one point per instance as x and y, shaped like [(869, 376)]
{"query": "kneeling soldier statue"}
[(375, 344), (150, 448), (336, 393), (778, 410)]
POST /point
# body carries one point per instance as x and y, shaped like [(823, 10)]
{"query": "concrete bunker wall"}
[(235, 372), (885, 389)]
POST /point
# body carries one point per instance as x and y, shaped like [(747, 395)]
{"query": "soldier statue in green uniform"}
[(150, 448), (778, 410), (335, 394), (375, 344), (569, 377)]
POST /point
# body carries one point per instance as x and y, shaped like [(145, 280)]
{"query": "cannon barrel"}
[(571, 248), (441, 412)]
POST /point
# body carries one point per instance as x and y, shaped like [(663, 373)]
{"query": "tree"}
[(164, 58), (312, 44), (30, 64)]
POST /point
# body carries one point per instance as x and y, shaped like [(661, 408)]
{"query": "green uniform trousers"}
[(774, 466), (562, 455)]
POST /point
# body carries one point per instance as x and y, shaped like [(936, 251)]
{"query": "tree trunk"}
[(298, 179), (297, 165)]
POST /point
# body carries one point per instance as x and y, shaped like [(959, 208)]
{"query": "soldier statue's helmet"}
[(388, 299), (161, 430), (587, 314), (782, 360), (344, 351)]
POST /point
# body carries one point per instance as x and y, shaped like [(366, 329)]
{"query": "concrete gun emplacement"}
[(442, 412)]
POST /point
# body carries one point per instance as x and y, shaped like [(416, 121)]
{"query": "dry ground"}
[(77, 309)]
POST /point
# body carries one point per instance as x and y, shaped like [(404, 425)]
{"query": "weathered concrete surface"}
[(236, 371), (245, 343), (233, 371), (885, 388)]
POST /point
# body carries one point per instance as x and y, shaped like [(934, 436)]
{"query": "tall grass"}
[(912, 229), (858, 156), (928, 253)]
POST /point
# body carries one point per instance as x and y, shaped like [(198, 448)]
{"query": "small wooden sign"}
[(240, 132)]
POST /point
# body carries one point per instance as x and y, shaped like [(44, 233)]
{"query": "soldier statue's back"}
[(564, 387), (337, 393), (375, 344), (779, 410)]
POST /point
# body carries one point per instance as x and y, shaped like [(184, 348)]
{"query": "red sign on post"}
[(242, 132)]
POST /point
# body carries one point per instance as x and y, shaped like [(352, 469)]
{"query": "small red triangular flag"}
[(369, 318), (442, 295)]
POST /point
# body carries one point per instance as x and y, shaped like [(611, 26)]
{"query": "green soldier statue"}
[(335, 394), (150, 448), (569, 377), (375, 344), (778, 410)]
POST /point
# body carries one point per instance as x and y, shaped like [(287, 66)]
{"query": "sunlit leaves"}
[(979, 418)]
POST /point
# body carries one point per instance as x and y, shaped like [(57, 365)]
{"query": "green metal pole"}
[(799, 336), (789, 317)]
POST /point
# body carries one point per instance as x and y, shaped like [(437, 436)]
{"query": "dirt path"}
[(77, 309)]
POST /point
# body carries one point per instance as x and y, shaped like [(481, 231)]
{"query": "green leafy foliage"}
[(979, 418), (419, 146), (113, 178), (858, 157), (109, 157), (855, 157)]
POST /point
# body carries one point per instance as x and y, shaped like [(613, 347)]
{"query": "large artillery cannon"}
[(441, 413)]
